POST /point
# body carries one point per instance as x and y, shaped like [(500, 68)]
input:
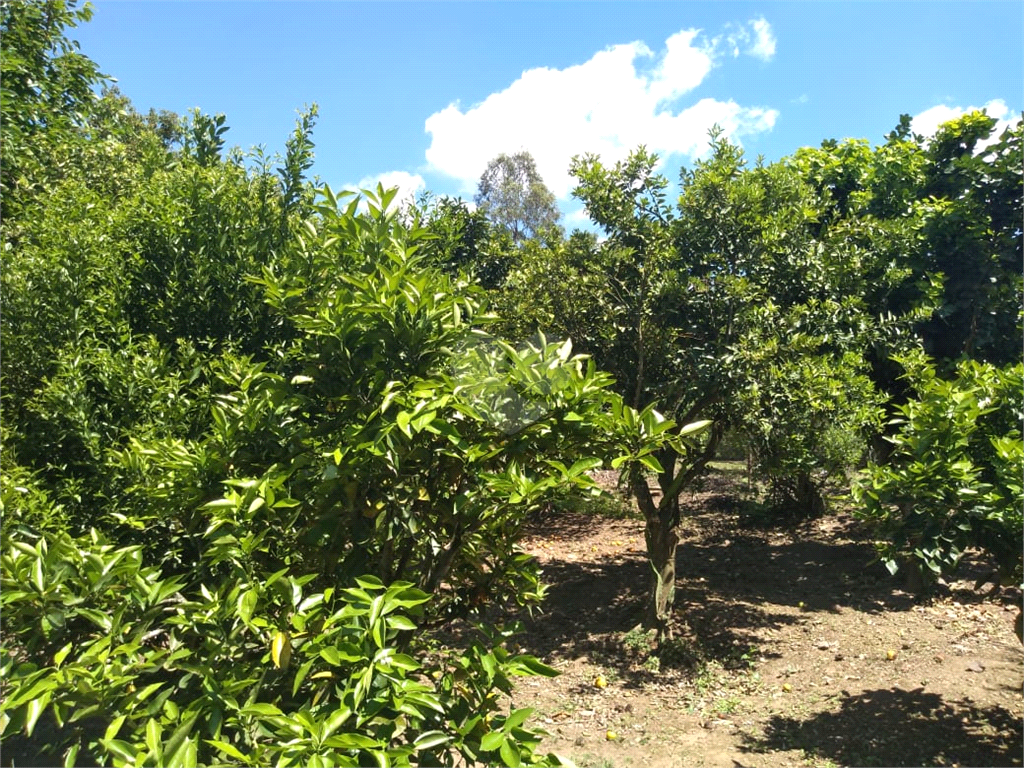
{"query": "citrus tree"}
[(953, 480), (255, 446), (720, 309)]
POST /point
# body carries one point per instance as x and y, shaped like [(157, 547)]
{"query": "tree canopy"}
[(512, 194)]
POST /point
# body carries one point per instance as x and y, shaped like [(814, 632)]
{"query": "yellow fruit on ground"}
[(611, 735), (890, 654), (787, 687), (600, 682)]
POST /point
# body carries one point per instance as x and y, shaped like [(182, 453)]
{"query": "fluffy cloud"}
[(755, 38), (623, 96), (408, 184), (764, 40), (927, 122)]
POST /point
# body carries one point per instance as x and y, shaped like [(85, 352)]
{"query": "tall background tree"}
[(512, 194)]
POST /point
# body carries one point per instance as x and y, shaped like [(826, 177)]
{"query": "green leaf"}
[(352, 741), (59, 656), (227, 749), (402, 419), (396, 621), (516, 718), (261, 709), (37, 575), (335, 721), (331, 656), (114, 727), (510, 754), (120, 748), (35, 709), (431, 739), (246, 604), (694, 428), (534, 667), (153, 733), (584, 465), (651, 463), (491, 741), (176, 748)]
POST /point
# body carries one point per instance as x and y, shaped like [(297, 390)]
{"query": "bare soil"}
[(793, 647)]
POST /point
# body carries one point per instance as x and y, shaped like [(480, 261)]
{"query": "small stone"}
[(823, 646), (975, 666)]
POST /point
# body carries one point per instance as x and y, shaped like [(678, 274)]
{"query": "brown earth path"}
[(794, 649)]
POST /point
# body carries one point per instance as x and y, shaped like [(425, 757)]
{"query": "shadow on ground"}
[(897, 727), (732, 584)]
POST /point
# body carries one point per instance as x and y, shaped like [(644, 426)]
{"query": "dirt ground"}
[(794, 649)]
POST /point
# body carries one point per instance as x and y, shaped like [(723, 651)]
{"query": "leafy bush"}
[(126, 666), (954, 478)]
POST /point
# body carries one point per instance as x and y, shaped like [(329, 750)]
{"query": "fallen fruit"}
[(787, 687), (611, 735), (600, 682), (890, 654)]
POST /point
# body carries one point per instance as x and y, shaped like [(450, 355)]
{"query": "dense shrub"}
[(954, 478)]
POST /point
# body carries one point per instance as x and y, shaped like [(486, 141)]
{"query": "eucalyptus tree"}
[(512, 194)]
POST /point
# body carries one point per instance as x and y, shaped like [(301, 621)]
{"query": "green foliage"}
[(465, 241), (954, 478), (909, 213), (126, 666), (240, 420), (46, 95), (810, 405)]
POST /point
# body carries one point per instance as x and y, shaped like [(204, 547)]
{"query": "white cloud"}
[(408, 184), (577, 219), (927, 122), (755, 38), (623, 96), (764, 40)]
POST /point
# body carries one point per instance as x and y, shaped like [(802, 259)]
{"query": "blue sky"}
[(424, 94)]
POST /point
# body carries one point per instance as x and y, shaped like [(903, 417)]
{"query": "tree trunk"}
[(809, 500), (661, 549), (662, 539), (660, 531)]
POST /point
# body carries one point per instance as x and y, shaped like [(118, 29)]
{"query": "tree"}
[(466, 241), (259, 516), (512, 194), (914, 213), (954, 478), (722, 310), (47, 93)]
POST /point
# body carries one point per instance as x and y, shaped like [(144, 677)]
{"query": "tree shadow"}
[(807, 574), (591, 605), (728, 581), (897, 727)]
